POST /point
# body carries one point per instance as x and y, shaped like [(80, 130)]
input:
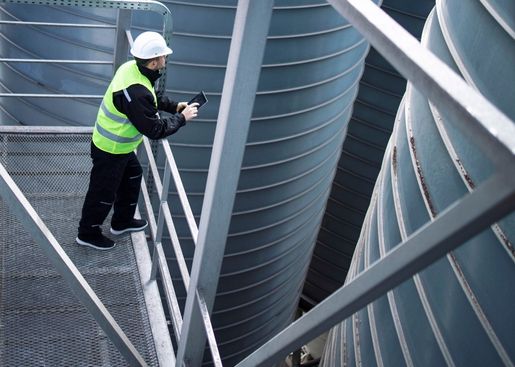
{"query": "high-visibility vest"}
[(113, 132)]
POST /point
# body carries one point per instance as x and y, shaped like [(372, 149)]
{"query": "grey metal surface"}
[(311, 67), (373, 115), (92, 39), (463, 298), (455, 225), (251, 24), (43, 323)]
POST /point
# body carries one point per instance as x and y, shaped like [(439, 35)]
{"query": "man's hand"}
[(190, 111), (181, 106)]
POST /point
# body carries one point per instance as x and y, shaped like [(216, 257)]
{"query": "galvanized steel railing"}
[(123, 35), (156, 230), (493, 132)]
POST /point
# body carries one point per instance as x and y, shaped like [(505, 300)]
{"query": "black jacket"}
[(141, 111)]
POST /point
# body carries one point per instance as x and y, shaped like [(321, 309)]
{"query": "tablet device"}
[(200, 99)]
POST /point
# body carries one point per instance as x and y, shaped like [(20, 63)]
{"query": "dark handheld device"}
[(200, 99)]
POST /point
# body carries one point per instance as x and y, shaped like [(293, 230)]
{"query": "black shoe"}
[(97, 241), (134, 225)]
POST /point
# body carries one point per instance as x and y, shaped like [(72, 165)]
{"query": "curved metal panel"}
[(457, 312), (311, 68), (33, 42), (380, 91), (310, 77)]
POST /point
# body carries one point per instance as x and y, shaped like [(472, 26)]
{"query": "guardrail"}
[(15, 199), (123, 36), (156, 230)]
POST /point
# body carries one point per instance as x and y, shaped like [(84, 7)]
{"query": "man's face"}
[(161, 62), (158, 63)]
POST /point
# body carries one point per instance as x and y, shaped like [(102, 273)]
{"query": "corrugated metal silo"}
[(311, 69), (54, 43), (380, 92), (458, 311)]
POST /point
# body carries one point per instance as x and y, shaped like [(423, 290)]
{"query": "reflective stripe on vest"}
[(119, 139), (121, 120), (113, 132)]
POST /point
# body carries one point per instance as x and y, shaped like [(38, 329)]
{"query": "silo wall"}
[(380, 92), (458, 311), (309, 80)]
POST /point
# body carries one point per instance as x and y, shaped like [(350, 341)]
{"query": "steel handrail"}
[(19, 204), (156, 229), (150, 5), (53, 24)]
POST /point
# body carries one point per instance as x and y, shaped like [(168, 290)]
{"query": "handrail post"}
[(240, 85), (121, 50)]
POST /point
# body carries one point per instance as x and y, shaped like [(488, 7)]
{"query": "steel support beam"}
[(475, 212), (475, 116), (241, 79), (21, 208), (121, 49)]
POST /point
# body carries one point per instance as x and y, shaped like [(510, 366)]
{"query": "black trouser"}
[(114, 182)]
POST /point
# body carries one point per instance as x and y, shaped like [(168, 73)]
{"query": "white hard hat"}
[(149, 45)]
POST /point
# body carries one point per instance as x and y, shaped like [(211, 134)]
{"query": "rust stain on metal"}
[(394, 160), (466, 286), (504, 239), (356, 339), (465, 174), (420, 174)]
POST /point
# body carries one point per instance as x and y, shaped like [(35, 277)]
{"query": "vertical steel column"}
[(241, 79), (123, 23)]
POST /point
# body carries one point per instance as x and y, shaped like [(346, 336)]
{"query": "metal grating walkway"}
[(42, 323)]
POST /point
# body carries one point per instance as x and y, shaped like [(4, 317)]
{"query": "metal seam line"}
[(465, 176), (453, 262), (416, 278), (370, 308), (240, 85), (390, 295)]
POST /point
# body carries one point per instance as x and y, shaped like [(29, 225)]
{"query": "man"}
[(128, 111)]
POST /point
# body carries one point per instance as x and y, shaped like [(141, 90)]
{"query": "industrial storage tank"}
[(380, 91), (459, 310), (311, 69)]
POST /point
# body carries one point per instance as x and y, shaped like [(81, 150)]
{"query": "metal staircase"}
[(44, 177)]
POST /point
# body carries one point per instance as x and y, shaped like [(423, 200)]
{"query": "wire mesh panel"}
[(41, 322)]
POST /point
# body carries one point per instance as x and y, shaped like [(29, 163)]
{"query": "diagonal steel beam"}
[(475, 212), (474, 115), (241, 79)]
